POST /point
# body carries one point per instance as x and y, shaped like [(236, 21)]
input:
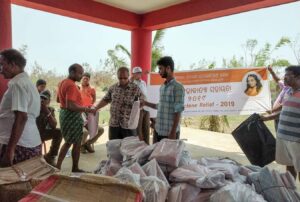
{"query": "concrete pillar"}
[(5, 35), (141, 50)]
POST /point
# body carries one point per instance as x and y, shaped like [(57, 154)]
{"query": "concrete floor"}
[(199, 142)]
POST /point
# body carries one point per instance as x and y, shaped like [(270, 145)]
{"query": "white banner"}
[(219, 92)]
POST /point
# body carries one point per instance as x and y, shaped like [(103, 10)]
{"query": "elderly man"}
[(171, 102), (19, 136), (121, 96), (88, 96), (71, 122), (144, 121)]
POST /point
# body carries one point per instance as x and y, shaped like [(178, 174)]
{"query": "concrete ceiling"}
[(141, 6)]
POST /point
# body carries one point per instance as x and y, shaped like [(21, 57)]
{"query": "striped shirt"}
[(171, 101), (289, 120)]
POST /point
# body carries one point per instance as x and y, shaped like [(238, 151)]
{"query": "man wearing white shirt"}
[(19, 136), (144, 121)]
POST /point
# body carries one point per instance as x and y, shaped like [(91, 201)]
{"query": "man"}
[(88, 96), (71, 122), (144, 121), (277, 106), (41, 85), (171, 102), (121, 96), (288, 133), (19, 136), (46, 123)]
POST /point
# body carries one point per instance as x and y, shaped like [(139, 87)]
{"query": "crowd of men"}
[(27, 119)]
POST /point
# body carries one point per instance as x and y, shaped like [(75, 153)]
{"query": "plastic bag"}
[(227, 166), (134, 115), (100, 168), (108, 167), (168, 152), (256, 141), (137, 169), (130, 146), (155, 190), (236, 192), (142, 156), (92, 124), (152, 169), (199, 176), (113, 149), (204, 195), (185, 159), (183, 192), (125, 175)]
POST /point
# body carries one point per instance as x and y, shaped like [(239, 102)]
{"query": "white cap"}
[(136, 70)]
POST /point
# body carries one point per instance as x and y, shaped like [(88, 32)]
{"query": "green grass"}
[(234, 122)]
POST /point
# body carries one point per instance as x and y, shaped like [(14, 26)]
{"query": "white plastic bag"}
[(113, 149), (199, 176), (152, 169), (227, 166), (168, 152), (108, 167), (92, 124), (131, 146), (137, 169), (155, 190), (236, 192), (183, 192), (134, 115), (125, 175)]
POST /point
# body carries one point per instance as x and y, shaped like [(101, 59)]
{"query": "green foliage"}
[(23, 49), (157, 52), (294, 45), (113, 62)]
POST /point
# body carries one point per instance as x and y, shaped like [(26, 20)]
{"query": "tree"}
[(157, 49), (23, 49), (294, 46), (264, 55), (113, 62)]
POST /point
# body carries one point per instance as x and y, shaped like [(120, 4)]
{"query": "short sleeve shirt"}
[(283, 95), (121, 99), (21, 96), (68, 90), (87, 94)]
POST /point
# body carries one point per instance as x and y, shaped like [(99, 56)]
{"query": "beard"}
[(164, 75)]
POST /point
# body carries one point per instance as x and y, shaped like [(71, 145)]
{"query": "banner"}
[(240, 91)]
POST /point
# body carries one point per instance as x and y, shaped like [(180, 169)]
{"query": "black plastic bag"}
[(256, 141)]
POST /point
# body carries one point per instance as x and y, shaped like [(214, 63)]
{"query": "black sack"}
[(256, 141)]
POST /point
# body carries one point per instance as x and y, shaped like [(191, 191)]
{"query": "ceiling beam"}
[(200, 10), (86, 10)]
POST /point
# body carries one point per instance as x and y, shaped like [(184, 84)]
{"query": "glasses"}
[(123, 78)]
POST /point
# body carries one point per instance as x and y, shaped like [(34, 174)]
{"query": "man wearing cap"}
[(46, 123), (88, 96), (41, 85), (144, 121)]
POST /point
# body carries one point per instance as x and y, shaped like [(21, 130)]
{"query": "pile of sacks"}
[(165, 171)]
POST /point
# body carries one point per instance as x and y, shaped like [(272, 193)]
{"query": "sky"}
[(55, 42)]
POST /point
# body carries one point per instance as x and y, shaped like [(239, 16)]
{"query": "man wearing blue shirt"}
[(171, 102)]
